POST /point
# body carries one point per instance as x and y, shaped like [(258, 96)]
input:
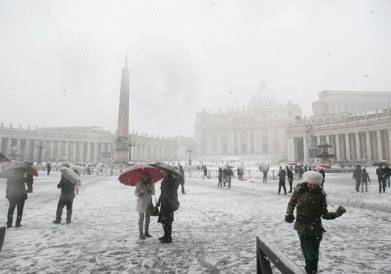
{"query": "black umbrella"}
[(4, 158), (166, 168), (18, 168)]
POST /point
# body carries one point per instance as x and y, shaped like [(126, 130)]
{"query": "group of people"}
[(167, 202), (360, 175), (224, 176), (20, 183)]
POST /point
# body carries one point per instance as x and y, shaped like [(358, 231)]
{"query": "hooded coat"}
[(169, 193), (311, 206)]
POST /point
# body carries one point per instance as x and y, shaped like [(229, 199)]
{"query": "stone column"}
[(248, 142), (256, 141), (292, 149), (358, 146), (238, 142), (368, 141), (88, 151), (219, 151), (379, 145), (318, 140), (337, 148), (328, 139), (389, 143), (67, 151), (74, 151), (347, 143), (1, 139), (270, 142), (305, 148)]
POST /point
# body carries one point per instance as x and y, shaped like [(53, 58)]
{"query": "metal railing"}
[(2, 236), (249, 174), (266, 254)]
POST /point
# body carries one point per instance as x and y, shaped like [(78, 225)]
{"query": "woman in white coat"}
[(144, 191)]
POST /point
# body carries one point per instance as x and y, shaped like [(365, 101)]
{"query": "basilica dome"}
[(262, 99)]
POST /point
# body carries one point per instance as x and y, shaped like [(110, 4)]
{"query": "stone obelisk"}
[(122, 142)]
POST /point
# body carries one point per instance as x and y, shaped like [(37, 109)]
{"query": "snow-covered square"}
[(214, 229)]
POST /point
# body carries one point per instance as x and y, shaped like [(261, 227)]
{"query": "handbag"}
[(174, 203), (153, 210)]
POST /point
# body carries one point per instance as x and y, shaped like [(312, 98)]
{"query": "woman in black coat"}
[(167, 197)]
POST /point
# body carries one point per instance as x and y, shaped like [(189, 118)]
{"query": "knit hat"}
[(313, 177)]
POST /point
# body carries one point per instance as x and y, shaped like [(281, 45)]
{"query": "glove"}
[(289, 218), (340, 210), (141, 194)]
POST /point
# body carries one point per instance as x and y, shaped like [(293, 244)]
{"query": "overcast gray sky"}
[(61, 61)]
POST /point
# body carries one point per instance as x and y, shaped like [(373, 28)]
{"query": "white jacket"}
[(143, 201)]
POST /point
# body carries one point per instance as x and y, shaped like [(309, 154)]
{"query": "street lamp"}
[(189, 151), (40, 147)]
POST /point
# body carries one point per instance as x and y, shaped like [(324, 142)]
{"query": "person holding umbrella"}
[(17, 195), (145, 188), (168, 202), (67, 194)]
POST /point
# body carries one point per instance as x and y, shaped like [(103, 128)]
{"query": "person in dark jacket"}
[(364, 180), (29, 182), (17, 195), (220, 177), (289, 174), (229, 175), (66, 199), (48, 168), (182, 182), (281, 183), (309, 199), (168, 196), (357, 177), (381, 179)]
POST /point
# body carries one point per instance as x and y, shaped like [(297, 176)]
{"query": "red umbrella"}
[(132, 175), (34, 172)]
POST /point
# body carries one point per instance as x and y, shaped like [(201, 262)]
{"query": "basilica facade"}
[(256, 132)]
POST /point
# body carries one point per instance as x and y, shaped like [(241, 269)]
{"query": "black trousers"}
[(167, 227), (61, 203), (281, 184), (382, 185), (290, 184), (310, 248), (19, 203)]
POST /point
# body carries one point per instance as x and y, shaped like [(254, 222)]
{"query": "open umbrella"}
[(18, 168), (167, 168), (70, 175), (79, 169), (132, 175), (4, 158)]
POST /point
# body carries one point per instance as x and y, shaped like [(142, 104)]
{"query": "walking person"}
[(364, 180), (309, 199), (229, 176), (167, 201), (357, 177), (289, 174), (144, 191), (48, 168), (66, 199), (381, 179), (29, 182), (387, 174), (220, 177), (17, 195), (205, 173), (182, 182), (281, 183)]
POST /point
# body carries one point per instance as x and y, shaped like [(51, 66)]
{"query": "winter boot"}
[(167, 231)]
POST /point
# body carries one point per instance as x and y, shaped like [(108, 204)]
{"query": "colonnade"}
[(346, 146)]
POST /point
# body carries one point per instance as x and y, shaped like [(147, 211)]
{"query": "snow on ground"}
[(214, 229)]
